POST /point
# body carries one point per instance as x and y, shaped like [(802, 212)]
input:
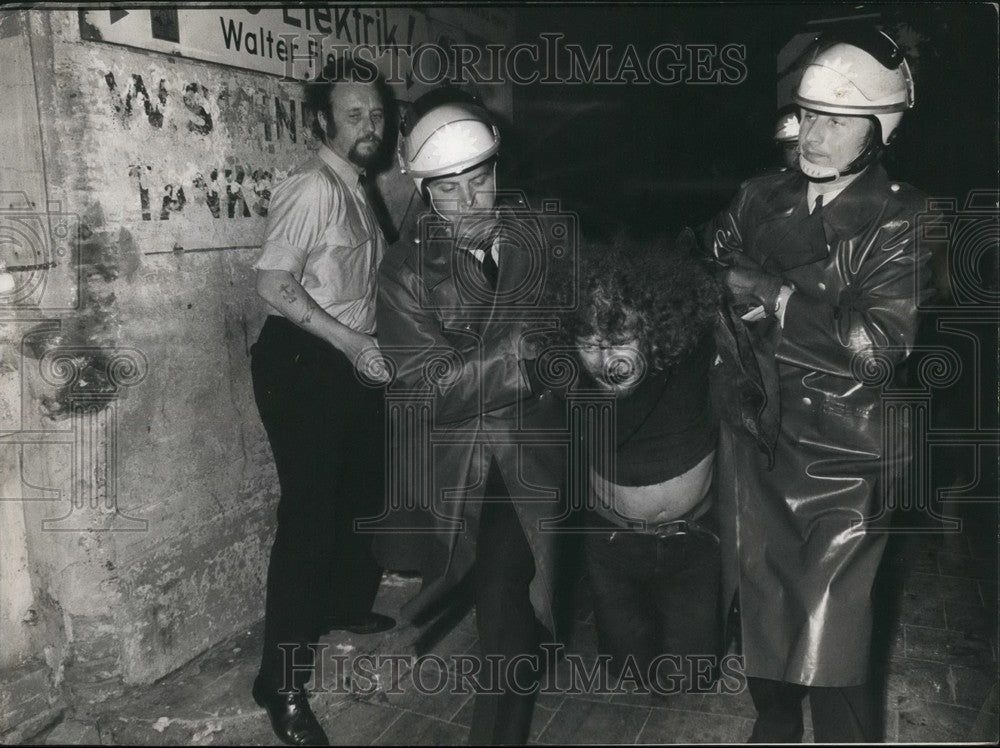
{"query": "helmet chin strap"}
[(434, 207), (816, 172)]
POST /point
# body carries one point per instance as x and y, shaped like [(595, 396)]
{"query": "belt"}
[(673, 529)]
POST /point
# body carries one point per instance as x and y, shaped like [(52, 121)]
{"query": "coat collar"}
[(853, 209), (858, 205), (791, 235), (439, 259)]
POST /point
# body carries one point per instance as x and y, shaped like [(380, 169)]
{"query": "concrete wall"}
[(138, 487), (31, 639), (148, 495)]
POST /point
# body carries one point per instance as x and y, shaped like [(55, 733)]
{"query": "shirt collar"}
[(346, 170), (479, 251), (828, 197)]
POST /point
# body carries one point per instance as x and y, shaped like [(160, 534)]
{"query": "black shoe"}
[(369, 623), (291, 718)]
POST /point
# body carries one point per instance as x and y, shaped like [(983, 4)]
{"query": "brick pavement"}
[(941, 665)]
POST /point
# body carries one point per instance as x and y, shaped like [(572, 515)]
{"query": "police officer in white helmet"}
[(824, 266), (449, 313), (786, 136), (451, 136)]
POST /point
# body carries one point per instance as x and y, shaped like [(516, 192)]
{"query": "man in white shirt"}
[(317, 269)]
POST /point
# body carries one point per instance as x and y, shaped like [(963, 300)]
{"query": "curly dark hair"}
[(658, 292)]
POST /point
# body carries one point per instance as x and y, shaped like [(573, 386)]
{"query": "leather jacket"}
[(457, 350)]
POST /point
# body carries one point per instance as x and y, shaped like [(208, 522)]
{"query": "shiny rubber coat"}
[(801, 540), (457, 350)]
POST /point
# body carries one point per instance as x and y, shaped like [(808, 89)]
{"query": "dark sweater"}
[(666, 425)]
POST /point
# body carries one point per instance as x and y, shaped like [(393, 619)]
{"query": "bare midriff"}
[(653, 504)]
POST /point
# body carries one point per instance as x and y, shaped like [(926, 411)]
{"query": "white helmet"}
[(447, 139), (787, 129), (848, 79)]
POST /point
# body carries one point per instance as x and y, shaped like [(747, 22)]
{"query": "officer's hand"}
[(735, 259), (749, 286)]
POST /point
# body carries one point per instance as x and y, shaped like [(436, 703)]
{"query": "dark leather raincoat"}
[(801, 539), (457, 351)]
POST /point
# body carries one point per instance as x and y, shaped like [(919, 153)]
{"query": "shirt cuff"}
[(782, 303)]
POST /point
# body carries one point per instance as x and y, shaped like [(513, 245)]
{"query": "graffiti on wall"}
[(235, 191), (278, 118), (231, 189)]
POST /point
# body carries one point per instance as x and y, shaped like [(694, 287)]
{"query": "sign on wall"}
[(412, 47), (194, 151)]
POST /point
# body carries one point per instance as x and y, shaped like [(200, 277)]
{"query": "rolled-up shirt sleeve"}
[(301, 207)]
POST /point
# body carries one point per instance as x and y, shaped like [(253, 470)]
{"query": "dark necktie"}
[(369, 187), (490, 269), (799, 240), (817, 229)]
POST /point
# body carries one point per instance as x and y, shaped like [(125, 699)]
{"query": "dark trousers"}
[(325, 430), (847, 714), (506, 621), (655, 597)]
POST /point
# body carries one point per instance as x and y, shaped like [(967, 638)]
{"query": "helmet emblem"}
[(456, 141)]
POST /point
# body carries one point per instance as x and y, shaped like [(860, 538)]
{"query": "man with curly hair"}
[(643, 335)]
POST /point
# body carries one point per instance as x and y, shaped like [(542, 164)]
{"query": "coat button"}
[(807, 401), (894, 187), (822, 286)]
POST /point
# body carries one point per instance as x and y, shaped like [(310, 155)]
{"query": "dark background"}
[(654, 158)]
